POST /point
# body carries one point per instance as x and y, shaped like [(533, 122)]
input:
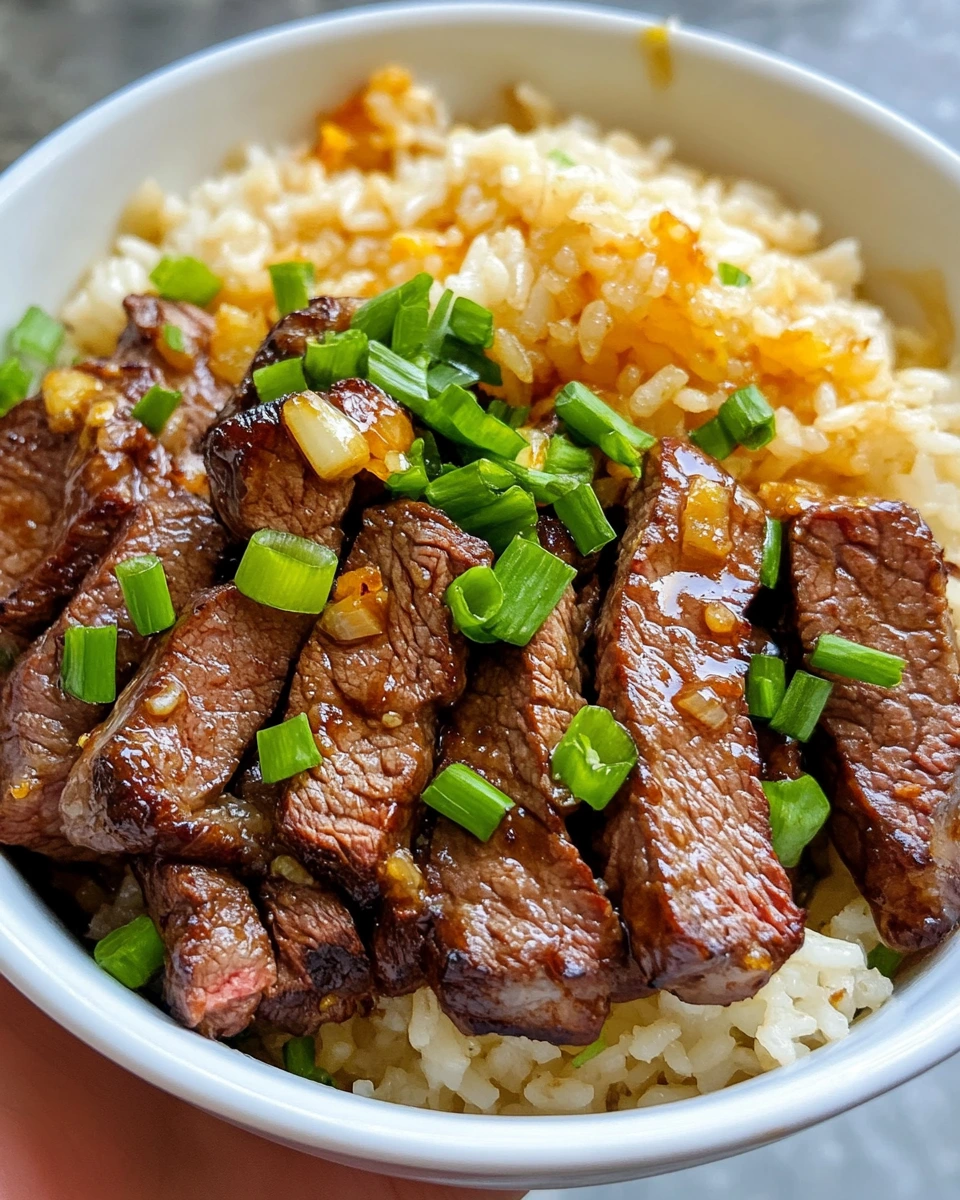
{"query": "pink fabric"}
[(75, 1127)]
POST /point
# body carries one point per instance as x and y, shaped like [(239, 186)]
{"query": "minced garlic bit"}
[(20, 791), (392, 720), (69, 396), (289, 868), (700, 702), (162, 703), (719, 618)]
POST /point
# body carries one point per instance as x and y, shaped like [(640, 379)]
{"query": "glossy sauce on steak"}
[(707, 904)]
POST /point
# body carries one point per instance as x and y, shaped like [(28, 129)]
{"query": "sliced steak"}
[(873, 573), (219, 961), (373, 703), (177, 734), (42, 725), (706, 903), (289, 337), (522, 939), (322, 969)]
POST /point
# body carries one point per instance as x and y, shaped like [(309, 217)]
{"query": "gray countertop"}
[(58, 56)]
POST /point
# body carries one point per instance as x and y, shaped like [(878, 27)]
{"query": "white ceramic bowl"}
[(730, 108)]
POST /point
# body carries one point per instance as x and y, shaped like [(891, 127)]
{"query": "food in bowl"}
[(506, 546)]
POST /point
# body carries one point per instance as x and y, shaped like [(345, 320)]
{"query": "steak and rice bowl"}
[(476, 613)]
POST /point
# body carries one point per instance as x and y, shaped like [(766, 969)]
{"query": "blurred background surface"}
[(58, 56)]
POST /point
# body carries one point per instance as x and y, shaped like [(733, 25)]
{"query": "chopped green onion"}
[(748, 418), (533, 580), (185, 279), (439, 325), (561, 158), (338, 356), (292, 282), (132, 954), (596, 422), (474, 599), (300, 1058), (798, 809), (587, 1053), (458, 416), (881, 958), (839, 656), (471, 361), (410, 327), (462, 795), (713, 439), (88, 668), (511, 414), (14, 384), (580, 511), (412, 480), (499, 521), (145, 593), (731, 276), (287, 572), (594, 756), (279, 379), (471, 323), (173, 337), (155, 408), (431, 455), (801, 706), (286, 750), (377, 316), (772, 553), (442, 375), (565, 458), (462, 490), (37, 335), (405, 381), (544, 487), (766, 685)]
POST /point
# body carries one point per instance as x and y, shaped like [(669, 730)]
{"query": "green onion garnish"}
[(471, 323), (838, 656), (410, 327), (439, 325), (442, 375), (587, 1053), (467, 798), (37, 335), (279, 379), (513, 415), (748, 418), (772, 553), (377, 316), (405, 381), (458, 416), (145, 593), (185, 279), (413, 479), (801, 706), (292, 282), (499, 521), (470, 361), (88, 667), (580, 511), (565, 458), (766, 685), (132, 954), (713, 439), (798, 809), (542, 486), (731, 276), (462, 490), (561, 158), (155, 408), (596, 422), (287, 572), (300, 1058), (287, 749), (338, 356), (173, 337), (474, 599), (594, 756), (881, 958), (533, 580), (14, 384)]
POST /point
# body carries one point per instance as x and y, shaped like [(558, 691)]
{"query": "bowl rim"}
[(485, 1149)]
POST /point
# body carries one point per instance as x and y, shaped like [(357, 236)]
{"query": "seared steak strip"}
[(177, 734), (873, 573), (373, 704), (219, 961), (522, 940), (41, 724), (706, 902), (322, 969)]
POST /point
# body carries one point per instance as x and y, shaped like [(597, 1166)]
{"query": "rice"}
[(598, 255)]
